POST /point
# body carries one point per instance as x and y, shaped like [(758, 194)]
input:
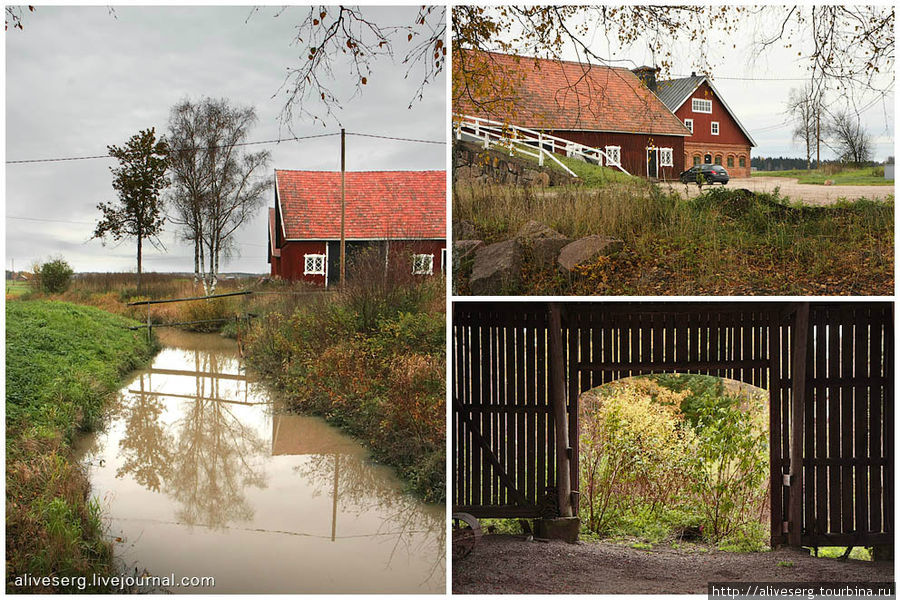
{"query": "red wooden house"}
[(717, 136), (402, 214), (608, 108)]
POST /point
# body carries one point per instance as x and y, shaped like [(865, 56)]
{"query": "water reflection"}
[(202, 476)]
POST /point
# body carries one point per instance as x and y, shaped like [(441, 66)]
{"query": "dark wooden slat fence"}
[(504, 439)]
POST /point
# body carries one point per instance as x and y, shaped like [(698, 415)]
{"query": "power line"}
[(276, 141), (387, 137), (49, 220)]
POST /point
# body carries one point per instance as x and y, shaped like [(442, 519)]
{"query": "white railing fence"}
[(529, 142)]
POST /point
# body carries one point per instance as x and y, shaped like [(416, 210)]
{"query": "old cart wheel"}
[(466, 531)]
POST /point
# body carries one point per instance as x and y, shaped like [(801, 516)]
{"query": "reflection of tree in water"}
[(145, 448), (208, 462), (361, 488)]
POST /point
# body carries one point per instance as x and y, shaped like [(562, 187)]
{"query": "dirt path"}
[(814, 195), (509, 564)]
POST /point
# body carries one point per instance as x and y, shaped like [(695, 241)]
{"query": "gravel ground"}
[(504, 564), (814, 195)]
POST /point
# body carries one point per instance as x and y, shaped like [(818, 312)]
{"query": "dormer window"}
[(699, 105)]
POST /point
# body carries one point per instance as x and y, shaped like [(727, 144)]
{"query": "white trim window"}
[(714, 128), (443, 259), (699, 105), (613, 155), (666, 157), (314, 264), (689, 123), (423, 264)]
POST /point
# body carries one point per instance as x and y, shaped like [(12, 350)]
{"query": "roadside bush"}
[(54, 277), (371, 361)]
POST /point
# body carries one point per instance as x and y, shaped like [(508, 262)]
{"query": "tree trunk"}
[(139, 263)]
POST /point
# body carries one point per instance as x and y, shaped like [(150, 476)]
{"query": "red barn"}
[(400, 213), (609, 108), (717, 136)]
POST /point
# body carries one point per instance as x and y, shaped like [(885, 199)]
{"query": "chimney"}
[(647, 75), (693, 73)]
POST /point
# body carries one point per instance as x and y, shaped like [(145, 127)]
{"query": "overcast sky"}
[(755, 85), (80, 78)]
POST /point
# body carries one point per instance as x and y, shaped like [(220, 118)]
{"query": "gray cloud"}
[(79, 79)]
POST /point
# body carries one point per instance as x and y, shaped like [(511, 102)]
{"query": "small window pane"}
[(742, 162), (423, 264), (730, 161)]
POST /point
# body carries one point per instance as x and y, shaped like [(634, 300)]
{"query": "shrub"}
[(54, 277), (632, 448), (729, 468)]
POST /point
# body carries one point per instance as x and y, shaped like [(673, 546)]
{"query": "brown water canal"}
[(200, 473)]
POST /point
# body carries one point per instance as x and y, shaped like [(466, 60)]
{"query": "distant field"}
[(17, 288), (866, 176)]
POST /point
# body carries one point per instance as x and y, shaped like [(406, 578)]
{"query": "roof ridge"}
[(364, 171), (554, 60)]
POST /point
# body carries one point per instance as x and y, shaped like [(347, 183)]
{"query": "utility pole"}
[(343, 205)]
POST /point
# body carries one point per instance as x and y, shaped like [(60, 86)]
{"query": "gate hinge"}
[(786, 480), (785, 527)]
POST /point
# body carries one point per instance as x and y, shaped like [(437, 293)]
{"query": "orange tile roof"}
[(379, 204), (554, 94)]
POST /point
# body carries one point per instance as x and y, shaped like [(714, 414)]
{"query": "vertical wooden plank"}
[(541, 443), (477, 455), (485, 428), (506, 361), (821, 420), (888, 422), (798, 413), (808, 456), (876, 358), (860, 419), (531, 423), (847, 420), (834, 420), (521, 407), (775, 426), (577, 383), (558, 398)]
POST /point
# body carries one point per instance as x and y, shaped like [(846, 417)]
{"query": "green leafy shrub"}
[(54, 277)]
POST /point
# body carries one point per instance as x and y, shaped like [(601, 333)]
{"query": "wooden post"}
[(560, 417), (343, 206), (798, 411)]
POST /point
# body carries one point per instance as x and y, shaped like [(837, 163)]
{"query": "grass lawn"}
[(864, 176), (722, 242), (17, 288), (62, 363)]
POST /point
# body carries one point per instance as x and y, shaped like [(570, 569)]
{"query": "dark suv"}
[(706, 174)]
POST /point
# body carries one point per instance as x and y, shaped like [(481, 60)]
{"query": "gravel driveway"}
[(502, 564), (814, 195)]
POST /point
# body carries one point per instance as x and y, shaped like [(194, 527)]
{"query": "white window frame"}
[(443, 259), (701, 105), (714, 128), (419, 265), (689, 123), (613, 156), (307, 258), (666, 157)]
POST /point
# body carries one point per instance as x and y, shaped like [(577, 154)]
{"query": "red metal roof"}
[(379, 204), (555, 95)]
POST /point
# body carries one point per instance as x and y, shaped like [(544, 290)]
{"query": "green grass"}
[(862, 176), (592, 175), (17, 288), (63, 361), (722, 242)]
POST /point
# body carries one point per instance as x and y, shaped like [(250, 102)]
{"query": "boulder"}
[(534, 230), (586, 250), (497, 269), (462, 249), (463, 230)]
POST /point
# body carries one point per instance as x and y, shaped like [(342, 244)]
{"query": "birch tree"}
[(217, 185)]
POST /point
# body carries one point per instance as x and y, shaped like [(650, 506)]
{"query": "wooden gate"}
[(504, 447)]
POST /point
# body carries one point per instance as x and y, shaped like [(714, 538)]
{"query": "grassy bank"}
[(723, 242), (370, 360), (840, 176), (62, 363)]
